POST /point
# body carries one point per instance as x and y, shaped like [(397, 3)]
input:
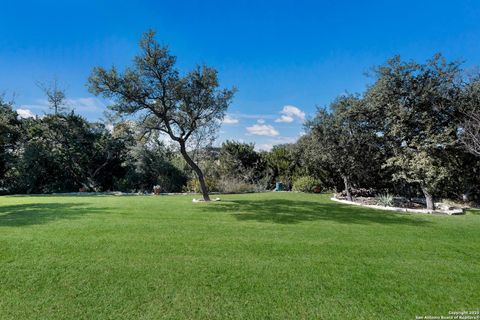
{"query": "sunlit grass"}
[(256, 256)]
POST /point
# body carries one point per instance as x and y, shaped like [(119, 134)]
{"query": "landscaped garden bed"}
[(402, 204)]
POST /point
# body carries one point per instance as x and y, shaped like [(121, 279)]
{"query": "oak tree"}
[(184, 107)]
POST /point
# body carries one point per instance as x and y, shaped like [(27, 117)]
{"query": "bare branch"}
[(55, 95)]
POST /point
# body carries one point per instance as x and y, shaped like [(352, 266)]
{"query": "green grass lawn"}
[(256, 256)]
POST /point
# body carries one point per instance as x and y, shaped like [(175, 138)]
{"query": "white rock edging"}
[(449, 212), (201, 200)]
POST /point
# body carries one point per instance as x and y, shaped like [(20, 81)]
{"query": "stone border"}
[(203, 201), (426, 211)]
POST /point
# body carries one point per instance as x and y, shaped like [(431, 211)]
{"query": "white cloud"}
[(270, 143), (86, 104), (289, 113), (284, 118), (263, 130), (25, 113), (261, 121), (82, 104), (294, 111), (230, 120), (283, 140), (253, 116), (264, 147)]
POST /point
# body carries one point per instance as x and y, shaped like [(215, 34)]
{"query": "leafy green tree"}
[(470, 133), (419, 110), (40, 167), (283, 163), (313, 163), (345, 139), (65, 153), (10, 132), (105, 158), (463, 181), (150, 163), (241, 161), (182, 107)]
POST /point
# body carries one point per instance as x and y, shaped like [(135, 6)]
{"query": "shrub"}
[(304, 184), (359, 192), (194, 186), (384, 199), (232, 185)]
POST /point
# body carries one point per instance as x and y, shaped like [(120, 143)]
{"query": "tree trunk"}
[(466, 194), (428, 199), (198, 171), (347, 188)]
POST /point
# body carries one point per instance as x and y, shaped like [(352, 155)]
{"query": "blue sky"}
[(285, 57)]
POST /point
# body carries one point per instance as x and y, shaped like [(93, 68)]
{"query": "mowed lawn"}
[(256, 256)]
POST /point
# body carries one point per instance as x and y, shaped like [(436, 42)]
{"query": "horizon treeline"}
[(412, 132)]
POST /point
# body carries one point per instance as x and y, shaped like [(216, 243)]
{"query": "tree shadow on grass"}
[(290, 211), (41, 213)]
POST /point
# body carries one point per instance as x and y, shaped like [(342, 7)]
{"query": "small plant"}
[(305, 184), (384, 199)]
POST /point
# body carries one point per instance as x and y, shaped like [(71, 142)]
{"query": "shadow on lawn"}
[(41, 213), (291, 211)]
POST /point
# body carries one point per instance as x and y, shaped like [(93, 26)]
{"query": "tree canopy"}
[(413, 132), (153, 89)]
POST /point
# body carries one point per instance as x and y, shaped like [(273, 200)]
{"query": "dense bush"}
[(62, 153), (148, 166), (304, 184)]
